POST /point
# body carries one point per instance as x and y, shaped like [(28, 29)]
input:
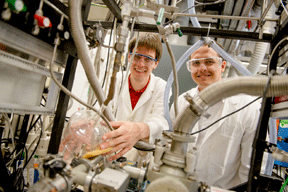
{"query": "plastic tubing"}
[(230, 59), (170, 80), (194, 20)]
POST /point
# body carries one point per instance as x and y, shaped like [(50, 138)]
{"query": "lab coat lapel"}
[(147, 94), (126, 97), (228, 107)]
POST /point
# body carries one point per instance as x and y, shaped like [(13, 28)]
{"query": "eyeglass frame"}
[(220, 62), (146, 56)]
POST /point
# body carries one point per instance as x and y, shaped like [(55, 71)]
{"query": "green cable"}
[(284, 185)]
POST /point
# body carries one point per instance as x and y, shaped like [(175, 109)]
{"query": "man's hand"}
[(124, 137)]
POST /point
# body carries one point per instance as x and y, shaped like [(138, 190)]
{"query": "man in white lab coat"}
[(224, 150), (139, 109)]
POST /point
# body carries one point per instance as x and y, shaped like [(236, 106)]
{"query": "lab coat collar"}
[(146, 95)]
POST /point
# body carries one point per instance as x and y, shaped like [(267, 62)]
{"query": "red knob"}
[(43, 21)]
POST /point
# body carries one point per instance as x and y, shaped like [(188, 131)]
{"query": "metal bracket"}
[(197, 109)]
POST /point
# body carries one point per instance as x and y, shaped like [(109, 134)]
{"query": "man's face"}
[(142, 66), (204, 76)]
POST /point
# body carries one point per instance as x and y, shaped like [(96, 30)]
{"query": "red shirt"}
[(135, 95)]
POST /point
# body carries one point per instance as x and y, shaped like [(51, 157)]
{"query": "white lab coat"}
[(225, 150), (149, 108)]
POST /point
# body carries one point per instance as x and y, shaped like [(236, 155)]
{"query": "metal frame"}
[(19, 40), (217, 33), (15, 61), (63, 101)]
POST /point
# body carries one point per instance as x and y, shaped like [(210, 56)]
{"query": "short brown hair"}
[(213, 49), (149, 40)]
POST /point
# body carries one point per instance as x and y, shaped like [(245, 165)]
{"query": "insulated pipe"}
[(229, 87), (83, 53)]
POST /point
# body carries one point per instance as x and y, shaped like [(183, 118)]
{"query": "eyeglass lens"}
[(210, 63), (147, 59)]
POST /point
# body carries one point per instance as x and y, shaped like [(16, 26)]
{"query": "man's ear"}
[(223, 65), (156, 64), (129, 57)]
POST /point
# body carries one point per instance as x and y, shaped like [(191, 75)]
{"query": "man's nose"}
[(202, 67), (141, 61)]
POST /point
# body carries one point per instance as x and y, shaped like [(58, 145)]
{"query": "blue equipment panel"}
[(282, 139)]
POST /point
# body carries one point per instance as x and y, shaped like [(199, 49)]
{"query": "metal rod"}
[(221, 17), (56, 9), (261, 21)]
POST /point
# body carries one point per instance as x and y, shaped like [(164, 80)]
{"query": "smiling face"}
[(141, 70), (203, 76)]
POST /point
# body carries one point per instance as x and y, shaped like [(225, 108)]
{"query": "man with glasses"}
[(223, 150), (139, 109)]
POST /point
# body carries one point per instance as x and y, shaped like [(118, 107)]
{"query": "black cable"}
[(255, 164), (226, 116), (26, 135), (44, 98), (26, 154), (36, 145), (18, 179), (264, 97)]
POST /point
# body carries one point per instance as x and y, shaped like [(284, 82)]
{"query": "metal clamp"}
[(196, 108)]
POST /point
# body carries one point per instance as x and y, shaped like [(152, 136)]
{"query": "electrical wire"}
[(26, 135), (272, 53), (226, 116), (32, 154), (264, 96), (284, 185), (10, 129)]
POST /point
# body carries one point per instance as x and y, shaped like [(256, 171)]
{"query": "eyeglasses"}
[(147, 59), (211, 64)]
